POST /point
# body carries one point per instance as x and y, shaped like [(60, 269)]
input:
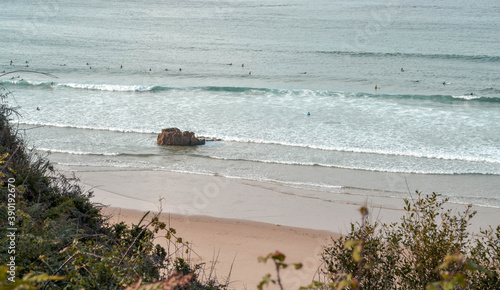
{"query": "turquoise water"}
[(247, 71)]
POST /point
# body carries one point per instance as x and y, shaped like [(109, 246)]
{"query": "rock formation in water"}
[(174, 136)]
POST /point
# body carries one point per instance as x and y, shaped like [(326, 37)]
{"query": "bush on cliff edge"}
[(429, 249)]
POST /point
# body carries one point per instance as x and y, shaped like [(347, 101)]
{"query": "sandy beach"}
[(233, 247), (238, 220)]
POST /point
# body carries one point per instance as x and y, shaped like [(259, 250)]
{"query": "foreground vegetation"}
[(52, 236), (429, 249)]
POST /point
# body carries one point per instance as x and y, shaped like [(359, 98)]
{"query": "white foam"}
[(367, 151), (86, 127), (467, 97), (74, 152), (105, 87), (356, 167)]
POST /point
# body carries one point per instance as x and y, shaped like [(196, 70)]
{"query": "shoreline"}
[(220, 197), (322, 182), (216, 196)]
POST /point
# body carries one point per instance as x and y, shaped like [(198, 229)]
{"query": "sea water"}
[(394, 87)]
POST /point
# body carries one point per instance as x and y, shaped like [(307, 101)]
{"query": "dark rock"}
[(174, 136)]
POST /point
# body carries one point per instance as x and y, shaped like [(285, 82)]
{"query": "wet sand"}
[(216, 196)]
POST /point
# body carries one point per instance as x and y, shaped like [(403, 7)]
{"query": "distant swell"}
[(125, 88), (109, 88), (235, 89), (94, 87), (250, 91), (439, 98), (482, 58)]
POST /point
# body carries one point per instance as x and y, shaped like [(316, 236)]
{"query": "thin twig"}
[(362, 244), (408, 188), (135, 240), (214, 260), (62, 266), (29, 71), (143, 217), (36, 127), (278, 274), (230, 271), (93, 255), (10, 158)]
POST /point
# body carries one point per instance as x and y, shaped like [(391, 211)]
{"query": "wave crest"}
[(251, 91), (482, 58)]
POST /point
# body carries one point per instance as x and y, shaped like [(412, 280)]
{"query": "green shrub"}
[(430, 247), (378, 258)]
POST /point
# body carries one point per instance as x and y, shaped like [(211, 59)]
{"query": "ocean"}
[(394, 88)]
